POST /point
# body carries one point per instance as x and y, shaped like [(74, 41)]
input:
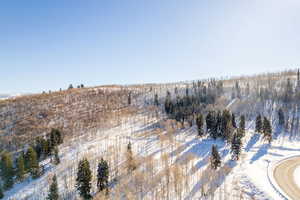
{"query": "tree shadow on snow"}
[(213, 179), (252, 142), (203, 147), (263, 150)]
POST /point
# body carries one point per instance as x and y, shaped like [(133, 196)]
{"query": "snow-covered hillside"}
[(172, 160), (246, 178)]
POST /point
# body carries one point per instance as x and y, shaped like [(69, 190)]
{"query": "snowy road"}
[(284, 176)]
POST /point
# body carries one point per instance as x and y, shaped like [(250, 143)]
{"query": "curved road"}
[(284, 176)]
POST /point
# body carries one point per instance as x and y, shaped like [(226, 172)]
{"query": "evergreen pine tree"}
[(59, 137), (1, 192), (168, 103), (281, 118), (55, 138), (238, 90), (242, 125), (20, 168), (267, 130), (83, 180), (156, 102), (236, 145), (38, 147), (218, 127), (51, 143), (32, 163), (129, 98), (233, 121), (53, 192), (56, 156), (215, 159), (7, 170), (258, 124), (226, 126), (187, 91), (102, 175), (211, 121), (199, 122), (288, 93)]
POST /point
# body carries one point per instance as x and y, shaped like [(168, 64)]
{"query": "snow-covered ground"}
[(244, 179), (253, 166)]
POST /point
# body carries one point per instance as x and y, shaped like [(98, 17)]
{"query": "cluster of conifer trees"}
[(27, 162), (183, 108), (45, 147), (223, 125), (84, 178), (263, 125), (84, 175)]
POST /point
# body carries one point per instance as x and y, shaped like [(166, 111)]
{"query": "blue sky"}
[(50, 44)]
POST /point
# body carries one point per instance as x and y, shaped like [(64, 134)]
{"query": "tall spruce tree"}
[(38, 147), (102, 175), (236, 145), (20, 168), (7, 170), (288, 93), (32, 163), (238, 90), (281, 117), (156, 102), (211, 121), (53, 192), (258, 124), (83, 180), (242, 125), (267, 130), (55, 138), (199, 122), (129, 98), (56, 156), (215, 159), (168, 103), (233, 121), (218, 128), (226, 127)]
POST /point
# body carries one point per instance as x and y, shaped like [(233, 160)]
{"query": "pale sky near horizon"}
[(46, 45)]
